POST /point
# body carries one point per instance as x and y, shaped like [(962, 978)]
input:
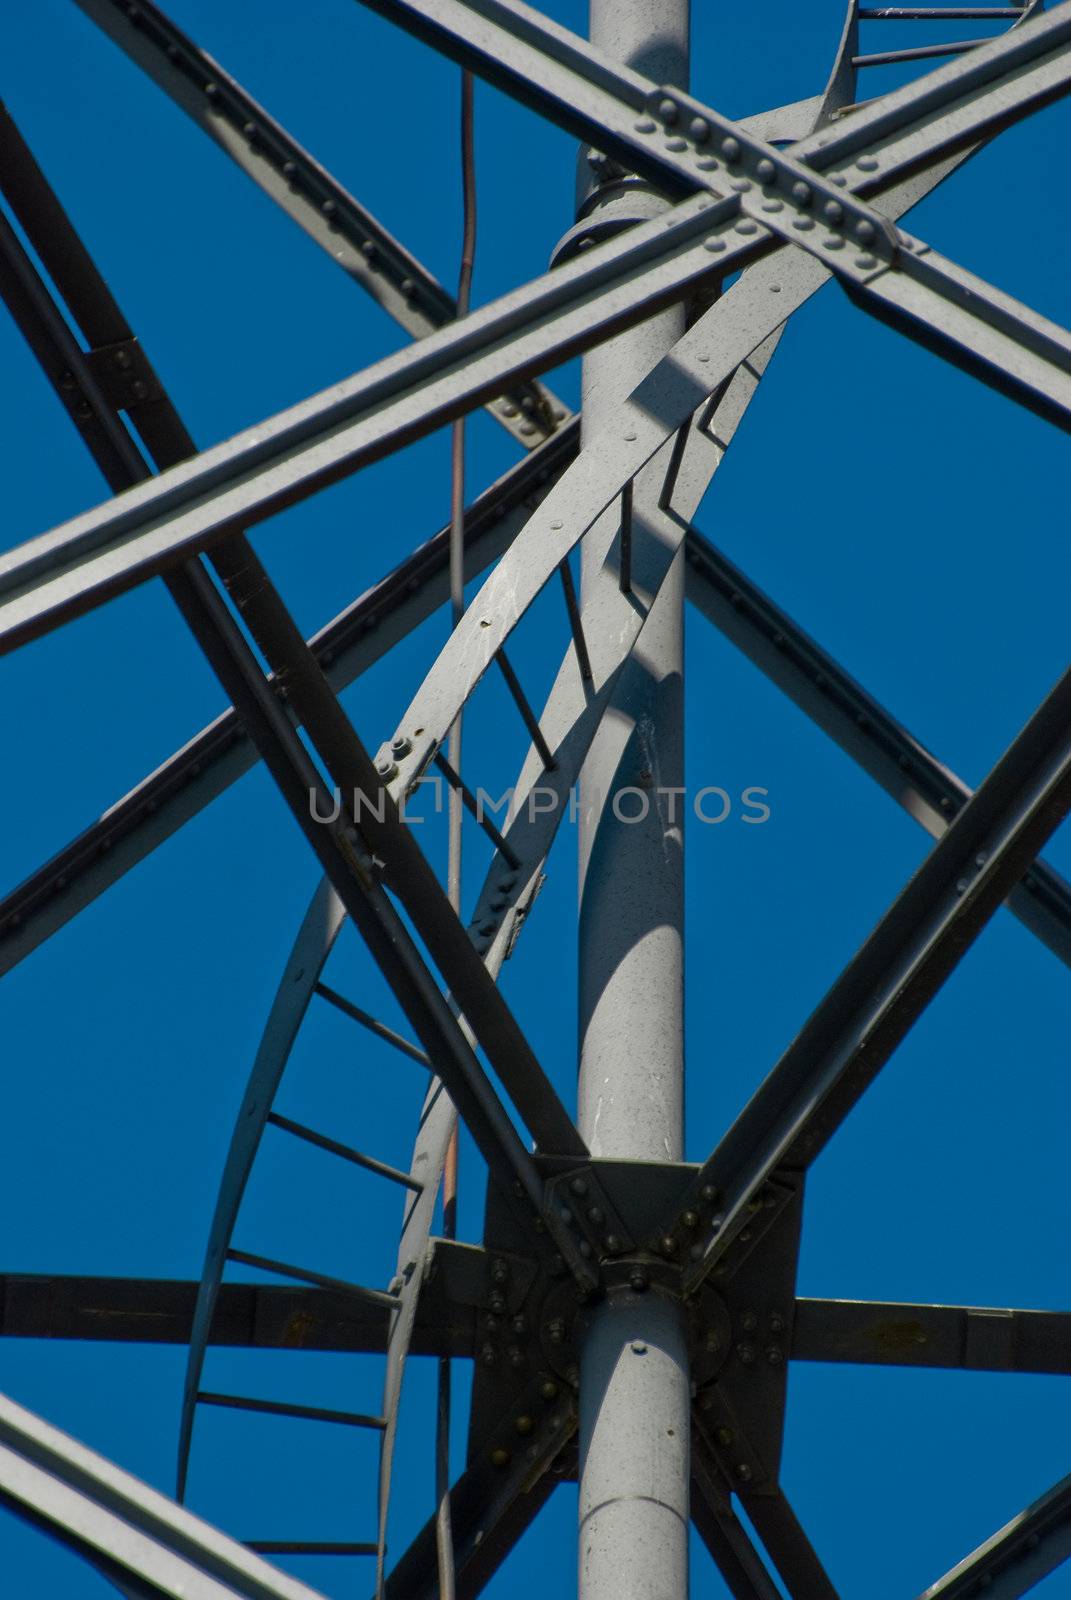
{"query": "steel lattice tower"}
[(630, 1317)]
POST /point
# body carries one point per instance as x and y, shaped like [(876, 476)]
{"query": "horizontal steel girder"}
[(266, 1316)]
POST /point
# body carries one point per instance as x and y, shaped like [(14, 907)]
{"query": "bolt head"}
[(668, 1245), (746, 1353), (499, 1271), (596, 1215), (524, 1424), (613, 1244), (400, 745), (637, 1281), (774, 1355), (743, 1472), (667, 110), (579, 1187), (724, 1436), (691, 1219), (500, 1458), (497, 1302), (749, 1321), (549, 1390), (385, 767)]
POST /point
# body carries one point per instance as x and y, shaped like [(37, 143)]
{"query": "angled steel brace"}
[(220, 754), (1026, 1550), (720, 1529), (496, 1498), (103, 1512), (355, 878), (299, 677), (788, 1546), (971, 1338), (672, 138), (308, 193), (195, 775), (858, 723), (255, 474), (889, 983)]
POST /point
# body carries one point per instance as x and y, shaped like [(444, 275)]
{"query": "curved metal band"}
[(317, 935)]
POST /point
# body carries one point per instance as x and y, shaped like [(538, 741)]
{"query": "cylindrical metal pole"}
[(634, 1377)]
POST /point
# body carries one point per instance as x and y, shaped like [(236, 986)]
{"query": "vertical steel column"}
[(634, 1377)]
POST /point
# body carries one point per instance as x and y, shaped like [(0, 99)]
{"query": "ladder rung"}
[(373, 1025), (926, 52), (625, 576), (322, 1142), (583, 659), (531, 722), (455, 780), (282, 1408), (305, 1547), (376, 1297)]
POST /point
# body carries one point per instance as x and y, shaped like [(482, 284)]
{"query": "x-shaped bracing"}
[(978, 860)]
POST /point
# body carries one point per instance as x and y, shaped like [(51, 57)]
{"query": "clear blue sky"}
[(909, 519)]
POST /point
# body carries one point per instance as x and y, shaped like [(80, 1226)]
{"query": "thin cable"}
[(444, 1538)]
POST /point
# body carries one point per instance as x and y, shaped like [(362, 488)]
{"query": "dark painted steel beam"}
[(491, 1504), (1026, 1550), (974, 1338), (253, 1316), (732, 1551), (305, 190), (886, 987), (788, 1546)]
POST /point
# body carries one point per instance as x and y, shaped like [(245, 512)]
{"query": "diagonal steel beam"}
[(299, 676), (359, 635), (305, 190), (499, 1495), (355, 877), (671, 138), (858, 723), (581, 302), (103, 1512), (971, 1338), (220, 754), (889, 983), (1016, 1558), (788, 1546), (733, 1553)]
